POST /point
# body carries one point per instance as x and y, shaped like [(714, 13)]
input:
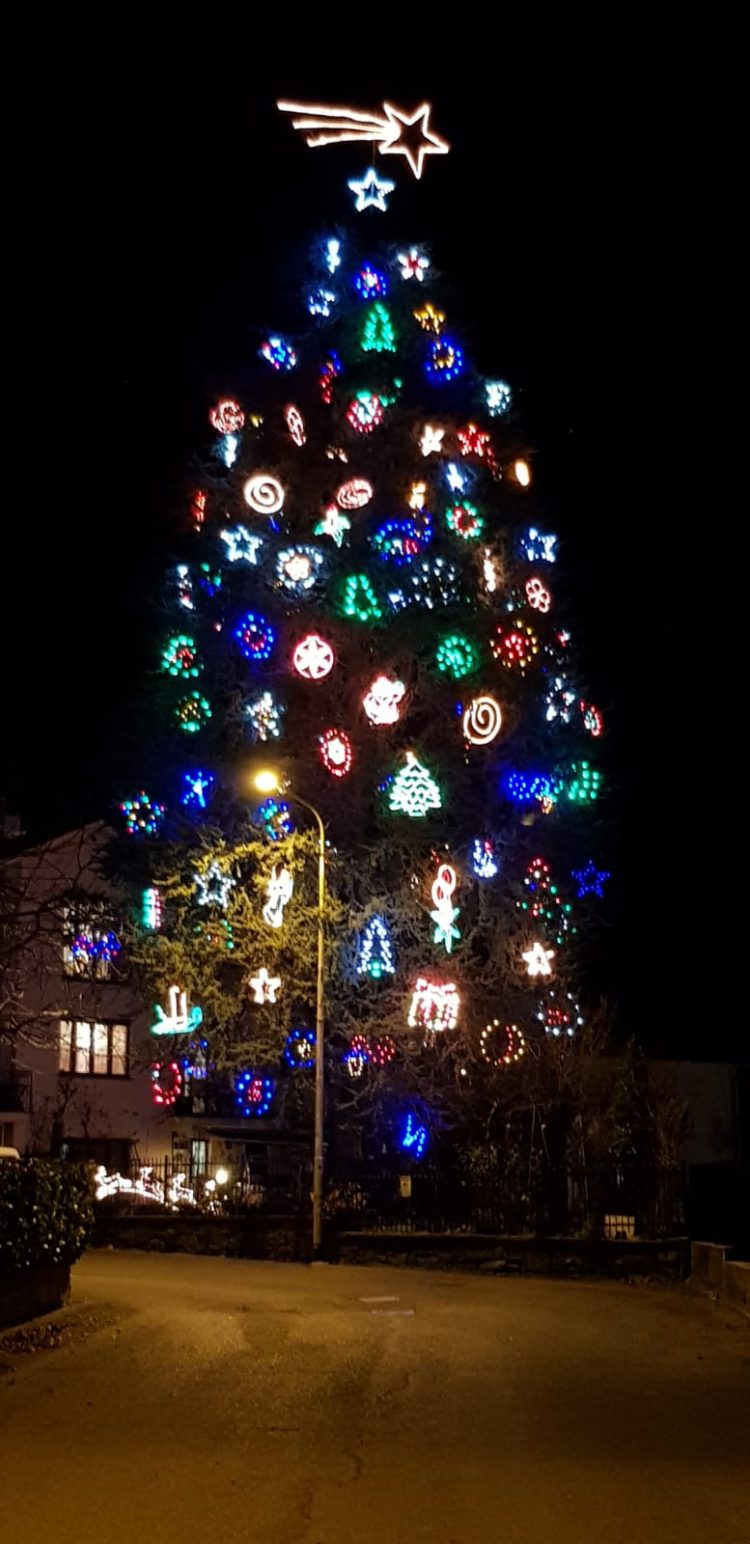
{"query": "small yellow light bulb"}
[(522, 473)]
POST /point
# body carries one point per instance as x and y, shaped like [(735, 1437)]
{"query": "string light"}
[(444, 913), (498, 397), (214, 886), (242, 545), (544, 902), (414, 791), (371, 191), (502, 1044), (538, 547), (359, 600), (413, 264), (434, 1005), (538, 959), (298, 567), (264, 987), (143, 816), (321, 302), (483, 858), (431, 583), (414, 1137), (383, 1052), (184, 585), (522, 473), (178, 1019), (295, 424), (354, 494), (378, 334), (313, 658), (376, 957), (193, 712), (278, 353), (151, 910), (591, 880), (532, 788), (279, 892), (336, 752), (430, 319), (333, 524), (382, 701), (264, 493), (593, 721), (431, 440), (482, 720), (490, 574), (583, 783), (253, 1094), (444, 361), (166, 1093), (516, 645), (365, 412), (95, 945), (265, 717), (332, 254), (255, 636), (457, 656), (180, 657), (197, 788), (329, 370), (538, 595), (198, 507), (560, 1015), (299, 1050), (398, 541), (370, 283), (465, 520)]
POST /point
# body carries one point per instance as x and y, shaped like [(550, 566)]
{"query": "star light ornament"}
[(265, 717), (278, 893), (538, 547), (196, 788), (538, 960), (498, 397), (413, 264), (444, 913), (333, 524), (371, 191), (242, 545), (431, 441), (394, 131), (264, 986), (590, 880), (214, 887)]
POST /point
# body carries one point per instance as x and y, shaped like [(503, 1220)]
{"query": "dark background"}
[(162, 198)]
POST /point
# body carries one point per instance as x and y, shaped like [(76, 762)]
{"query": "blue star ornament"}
[(590, 880), (371, 191)]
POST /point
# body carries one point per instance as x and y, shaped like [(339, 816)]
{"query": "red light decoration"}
[(198, 508), (538, 595), (295, 424), (365, 412), (593, 721), (515, 645), (475, 442), (354, 494), (330, 368), (166, 1083), (383, 1051), (227, 416), (336, 752), (313, 658)]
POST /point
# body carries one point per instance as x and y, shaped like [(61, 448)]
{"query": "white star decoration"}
[(396, 144), (264, 986), (333, 524), (538, 960), (432, 440), (242, 546), (371, 191)]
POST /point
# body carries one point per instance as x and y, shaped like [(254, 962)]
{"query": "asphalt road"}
[(206, 1399)]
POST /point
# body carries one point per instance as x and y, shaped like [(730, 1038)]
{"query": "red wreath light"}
[(336, 752), (227, 416)]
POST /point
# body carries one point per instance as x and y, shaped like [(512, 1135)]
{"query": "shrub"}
[(45, 1212)]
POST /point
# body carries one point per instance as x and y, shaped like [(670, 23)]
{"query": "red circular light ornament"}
[(166, 1083), (538, 595), (313, 658), (336, 752), (227, 416)]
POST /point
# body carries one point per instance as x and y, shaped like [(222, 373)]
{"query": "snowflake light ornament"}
[(413, 264), (498, 396), (298, 567), (265, 717)]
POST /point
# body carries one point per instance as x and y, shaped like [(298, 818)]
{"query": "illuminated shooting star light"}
[(393, 131)]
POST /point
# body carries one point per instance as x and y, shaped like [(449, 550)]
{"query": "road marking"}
[(378, 1300), (390, 1313)]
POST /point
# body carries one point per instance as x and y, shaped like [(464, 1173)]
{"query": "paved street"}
[(208, 1399)]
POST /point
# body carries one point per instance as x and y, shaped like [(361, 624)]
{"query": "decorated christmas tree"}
[(367, 598)]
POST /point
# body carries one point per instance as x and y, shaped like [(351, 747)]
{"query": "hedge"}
[(46, 1215)]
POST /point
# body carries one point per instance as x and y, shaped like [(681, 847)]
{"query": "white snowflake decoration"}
[(298, 567)]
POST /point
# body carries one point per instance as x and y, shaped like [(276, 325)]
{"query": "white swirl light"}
[(482, 720), (264, 493)]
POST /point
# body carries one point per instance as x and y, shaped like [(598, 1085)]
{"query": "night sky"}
[(163, 204)]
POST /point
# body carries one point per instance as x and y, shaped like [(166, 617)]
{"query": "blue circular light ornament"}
[(444, 361), (253, 1095), (255, 637), (299, 1050), (370, 283)]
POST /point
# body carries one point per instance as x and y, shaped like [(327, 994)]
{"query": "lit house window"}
[(93, 1050), (90, 947)]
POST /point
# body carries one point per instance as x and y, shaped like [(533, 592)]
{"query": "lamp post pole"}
[(319, 1118)]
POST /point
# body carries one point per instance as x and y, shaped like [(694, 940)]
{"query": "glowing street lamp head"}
[(266, 781)]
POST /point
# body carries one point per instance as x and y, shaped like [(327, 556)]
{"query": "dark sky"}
[(163, 200)]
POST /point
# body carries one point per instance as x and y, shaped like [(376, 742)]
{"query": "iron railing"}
[(15, 1093)]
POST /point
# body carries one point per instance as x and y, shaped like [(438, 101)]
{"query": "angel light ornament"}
[(278, 893), (382, 701)]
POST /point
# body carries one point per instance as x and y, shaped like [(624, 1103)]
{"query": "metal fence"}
[(171, 1184)]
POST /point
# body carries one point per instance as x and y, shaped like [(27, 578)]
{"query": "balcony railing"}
[(15, 1093)]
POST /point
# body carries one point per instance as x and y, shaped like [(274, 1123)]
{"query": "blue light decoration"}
[(444, 360), (458, 478), (332, 254), (143, 816), (414, 1137), (227, 448), (197, 788), (560, 701), (376, 957), (431, 583), (538, 547), (278, 353), (195, 1063), (299, 1050), (590, 880), (209, 579), (483, 858), (498, 396), (92, 946), (526, 788), (242, 545), (298, 567), (370, 283), (320, 302), (275, 818), (399, 541), (371, 191), (255, 636), (253, 1095)]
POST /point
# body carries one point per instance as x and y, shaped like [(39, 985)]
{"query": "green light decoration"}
[(414, 791), (388, 398), (192, 712), (583, 783), (464, 520), (378, 335), (456, 656), (359, 599), (180, 656)]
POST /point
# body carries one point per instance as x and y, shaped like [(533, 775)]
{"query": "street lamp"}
[(268, 782)]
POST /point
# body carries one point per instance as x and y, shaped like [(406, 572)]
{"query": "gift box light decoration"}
[(336, 752), (253, 1095), (376, 957), (434, 1005), (502, 1045), (414, 791)]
